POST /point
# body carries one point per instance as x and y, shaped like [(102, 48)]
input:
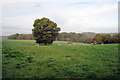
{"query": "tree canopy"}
[(106, 38), (45, 31)]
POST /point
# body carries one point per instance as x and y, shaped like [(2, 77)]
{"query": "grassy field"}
[(22, 59)]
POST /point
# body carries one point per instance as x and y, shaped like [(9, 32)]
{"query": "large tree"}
[(45, 31)]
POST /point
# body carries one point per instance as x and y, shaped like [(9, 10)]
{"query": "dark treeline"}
[(86, 37), (106, 38), (76, 37)]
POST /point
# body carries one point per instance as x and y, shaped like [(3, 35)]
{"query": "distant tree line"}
[(106, 38), (75, 37), (21, 36), (87, 37)]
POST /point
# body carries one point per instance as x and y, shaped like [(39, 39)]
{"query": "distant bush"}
[(106, 38), (14, 36), (116, 38)]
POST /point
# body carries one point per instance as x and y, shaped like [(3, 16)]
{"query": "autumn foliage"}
[(76, 37), (106, 38), (25, 37), (21, 36)]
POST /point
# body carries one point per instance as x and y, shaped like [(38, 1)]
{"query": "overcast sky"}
[(101, 16)]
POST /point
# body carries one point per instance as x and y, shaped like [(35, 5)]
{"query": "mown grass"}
[(22, 59)]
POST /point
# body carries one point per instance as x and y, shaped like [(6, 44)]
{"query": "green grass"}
[(22, 59)]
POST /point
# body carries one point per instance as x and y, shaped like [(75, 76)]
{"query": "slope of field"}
[(22, 59)]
